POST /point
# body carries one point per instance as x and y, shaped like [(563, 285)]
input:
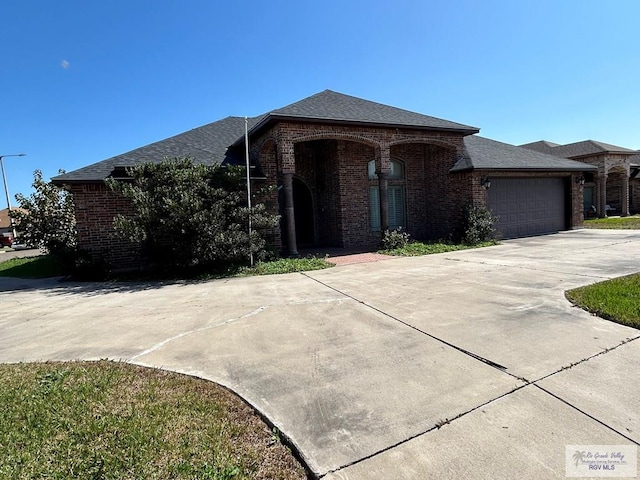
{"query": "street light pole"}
[(6, 189)]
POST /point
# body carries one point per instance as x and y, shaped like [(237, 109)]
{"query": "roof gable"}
[(589, 147), (576, 149), (334, 107), (542, 146)]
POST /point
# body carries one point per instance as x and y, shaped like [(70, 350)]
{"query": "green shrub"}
[(394, 239), (479, 225), (191, 216)]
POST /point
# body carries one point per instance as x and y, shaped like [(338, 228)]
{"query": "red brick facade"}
[(96, 208), (328, 169), (331, 163)]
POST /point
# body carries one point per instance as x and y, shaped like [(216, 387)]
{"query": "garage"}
[(528, 206)]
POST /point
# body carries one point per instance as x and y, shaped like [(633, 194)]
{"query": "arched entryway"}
[(303, 212), (617, 193)]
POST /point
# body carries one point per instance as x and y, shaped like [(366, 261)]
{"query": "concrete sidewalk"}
[(462, 365)]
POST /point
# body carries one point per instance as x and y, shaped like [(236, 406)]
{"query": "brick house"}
[(347, 169), (615, 187)]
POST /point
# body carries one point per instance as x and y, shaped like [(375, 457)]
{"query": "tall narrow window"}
[(395, 197)]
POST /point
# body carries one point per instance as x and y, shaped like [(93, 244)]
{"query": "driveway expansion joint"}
[(258, 310), (386, 314), (528, 267), (161, 344), (595, 419), (440, 424), (586, 359), (569, 404)]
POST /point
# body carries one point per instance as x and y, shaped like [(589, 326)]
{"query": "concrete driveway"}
[(461, 365)]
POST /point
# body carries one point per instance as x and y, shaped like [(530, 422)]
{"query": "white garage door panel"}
[(528, 206)]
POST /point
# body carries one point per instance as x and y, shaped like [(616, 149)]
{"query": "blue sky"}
[(81, 81)]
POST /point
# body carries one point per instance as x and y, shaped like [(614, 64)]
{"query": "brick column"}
[(286, 153), (624, 208), (383, 183), (383, 168), (602, 184), (289, 215)]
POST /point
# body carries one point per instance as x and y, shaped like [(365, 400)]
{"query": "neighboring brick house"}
[(6, 226), (347, 169), (5, 221), (615, 187)]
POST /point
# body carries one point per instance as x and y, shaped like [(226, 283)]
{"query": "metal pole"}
[(6, 189), (246, 153)]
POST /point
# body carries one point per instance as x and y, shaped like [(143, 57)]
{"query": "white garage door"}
[(528, 206)]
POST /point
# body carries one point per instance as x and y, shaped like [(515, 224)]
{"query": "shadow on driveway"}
[(60, 286)]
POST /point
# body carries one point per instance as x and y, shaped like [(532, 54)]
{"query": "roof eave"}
[(604, 152), (272, 118), (525, 169), (59, 182)]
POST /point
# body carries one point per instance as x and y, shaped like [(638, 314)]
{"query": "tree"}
[(190, 216), (48, 221)]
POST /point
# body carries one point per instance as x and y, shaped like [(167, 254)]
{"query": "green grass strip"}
[(287, 265), (419, 248), (614, 223), (42, 266), (617, 300)]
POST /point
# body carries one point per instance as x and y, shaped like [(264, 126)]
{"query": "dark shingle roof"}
[(577, 149), (486, 154), (542, 146), (336, 107), (588, 147), (207, 144)]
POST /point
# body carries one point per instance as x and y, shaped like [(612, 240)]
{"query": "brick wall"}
[(96, 207), (354, 194), (435, 197), (264, 156)]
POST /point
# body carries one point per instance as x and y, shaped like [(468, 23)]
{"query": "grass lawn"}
[(616, 223), (617, 299), (420, 248), (42, 266), (105, 420)]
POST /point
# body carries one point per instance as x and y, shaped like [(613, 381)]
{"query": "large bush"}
[(48, 221), (479, 225), (188, 215)]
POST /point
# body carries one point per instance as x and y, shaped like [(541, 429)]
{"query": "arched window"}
[(395, 196), (397, 170)]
